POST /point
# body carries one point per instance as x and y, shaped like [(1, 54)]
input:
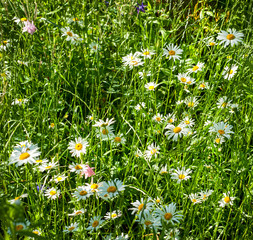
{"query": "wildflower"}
[(146, 53), (181, 174), (111, 188), (144, 74), (229, 72), (221, 129), (204, 85), (169, 213), (140, 206), (172, 52), (205, 194), (19, 101), (158, 118), (94, 187), (119, 139), (183, 78), (77, 168), (219, 140), (90, 117), (233, 106), (170, 118), (140, 106), (151, 86), (72, 37), (105, 123), (59, 178), (122, 237), (29, 27), (210, 42), (191, 102), (190, 81), (105, 133), (48, 166), (52, 193), (5, 44), (78, 147), (138, 153), (52, 125), (95, 223), (149, 220), (16, 200), (132, 60), (22, 63), (95, 47), (72, 228), (19, 20), (75, 20), (19, 226), (230, 37), (37, 232), (223, 102), (196, 68), (152, 150), (82, 193), (175, 132), (194, 197), (172, 234), (87, 171), (24, 155), (77, 212), (226, 200), (141, 7), (113, 215), (164, 170)]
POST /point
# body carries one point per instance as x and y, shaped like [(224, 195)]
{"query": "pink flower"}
[(88, 172), (29, 27)]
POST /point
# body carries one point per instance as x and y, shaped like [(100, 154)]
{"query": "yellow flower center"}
[(5, 42), (189, 82), (114, 215), (24, 156), (195, 68), (177, 129), (158, 200), (59, 178), (39, 161), (94, 186), (190, 104), (181, 176), (164, 172), (172, 53), (52, 193), (70, 34), (23, 19), (146, 53), (36, 232), (134, 62), (3, 75), (170, 121), (141, 206), (111, 189), (75, 19), (221, 132), (78, 212), (217, 140), (202, 85), (48, 167), (95, 223), (83, 193), (71, 228), (95, 47), (19, 227), (183, 79), (212, 44), (91, 118), (167, 216), (230, 37), (117, 139), (105, 131), (194, 200), (187, 122), (224, 104), (151, 87), (78, 167), (231, 71), (227, 199), (66, 116), (52, 125), (16, 198), (153, 151), (78, 146), (158, 119), (147, 223)]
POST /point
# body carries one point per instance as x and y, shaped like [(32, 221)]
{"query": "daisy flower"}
[(221, 129), (59, 178), (22, 63), (233, 106), (19, 226), (77, 212), (152, 150), (138, 153), (24, 156), (52, 193), (204, 85), (181, 174), (75, 20), (95, 223), (141, 205), (149, 220), (158, 118), (183, 78), (205, 194), (146, 53), (172, 52), (132, 60), (77, 168), (190, 81), (219, 140), (151, 86), (5, 44), (172, 234), (19, 20), (226, 200), (223, 102), (176, 132), (191, 102), (78, 147), (19, 101), (195, 198), (16, 200), (68, 33), (72, 228), (121, 237), (230, 37), (94, 187), (90, 117), (188, 121), (170, 118), (119, 139), (111, 188), (105, 123), (144, 74), (105, 133), (210, 42), (37, 232), (163, 170), (47, 166), (196, 68), (82, 193), (113, 215), (169, 213), (95, 47), (140, 106), (229, 72)]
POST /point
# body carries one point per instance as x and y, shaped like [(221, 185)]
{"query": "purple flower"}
[(107, 3), (29, 27), (141, 7)]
